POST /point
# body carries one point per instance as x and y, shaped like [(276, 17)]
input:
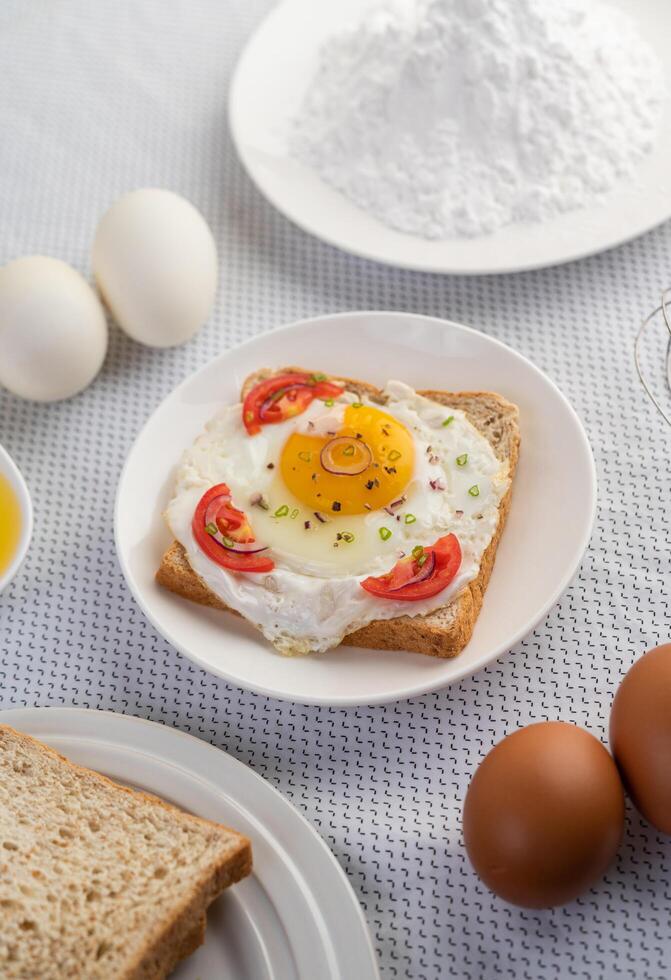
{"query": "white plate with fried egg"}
[(553, 506)]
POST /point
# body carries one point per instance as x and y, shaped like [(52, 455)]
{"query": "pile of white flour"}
[(451, 118)]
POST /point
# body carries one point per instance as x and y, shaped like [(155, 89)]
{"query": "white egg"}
[(452, 482), (53, 332), (155, 262)]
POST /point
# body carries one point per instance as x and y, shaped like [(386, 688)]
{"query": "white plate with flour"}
[(270, 82), (554, 498), (296, 916)]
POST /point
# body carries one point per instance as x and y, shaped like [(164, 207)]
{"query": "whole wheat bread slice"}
[(445, 632), (98, 881)]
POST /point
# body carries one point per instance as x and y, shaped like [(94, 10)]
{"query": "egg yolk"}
[(10, 524), (364, 466)]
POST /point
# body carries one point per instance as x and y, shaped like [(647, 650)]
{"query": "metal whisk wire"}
[(665, 309)]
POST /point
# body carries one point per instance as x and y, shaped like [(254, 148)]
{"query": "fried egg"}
[(339, 493)]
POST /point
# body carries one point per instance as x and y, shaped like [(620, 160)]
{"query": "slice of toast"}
[(97, 880), (445, 632)]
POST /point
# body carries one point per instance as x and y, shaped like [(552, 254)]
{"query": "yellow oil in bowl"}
[(10, 523)]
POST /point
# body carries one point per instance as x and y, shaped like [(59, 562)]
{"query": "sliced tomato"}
[(421, 575), (283, 397), (231, 522), (220, 529)]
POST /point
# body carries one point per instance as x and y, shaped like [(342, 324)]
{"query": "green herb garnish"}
[(315, 378), (282, 511), (410, 518), (294, 513), (447, 421), (211, 528), (357, 404), (393, 456), (419, 555), (329, 402), (385, 533), (474, 491), (462, 460), (347, 536), (305, 456), (348, 451)]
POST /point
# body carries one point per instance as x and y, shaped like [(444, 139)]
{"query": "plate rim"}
[(421, 687), (577, 254), (14, 718), (10, 470)]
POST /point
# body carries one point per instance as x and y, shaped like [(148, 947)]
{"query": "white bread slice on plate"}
[(445, 632), (98, 881)]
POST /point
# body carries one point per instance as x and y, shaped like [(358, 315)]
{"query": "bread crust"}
[(181, 931), (446, 632)]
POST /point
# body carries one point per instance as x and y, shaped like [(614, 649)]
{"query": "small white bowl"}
[(10, 471)]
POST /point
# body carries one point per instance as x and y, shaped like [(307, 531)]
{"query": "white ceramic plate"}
[(548, 528), (296, 916), (270, 80), (10, 471)]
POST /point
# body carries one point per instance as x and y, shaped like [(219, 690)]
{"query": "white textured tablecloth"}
[(97, 98)]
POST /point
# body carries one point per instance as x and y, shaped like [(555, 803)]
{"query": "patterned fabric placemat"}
[(99, 98)]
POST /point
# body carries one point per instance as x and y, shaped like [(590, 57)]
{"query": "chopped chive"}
[(410, 518), (329, 402), (357, 404), (417, 551), (282, 511), (294, 513), (211, 528), (421, 560), (385, 533), (447, 421), (229, 542), (348, 451), (474, 490), (393, 456), (347, 536), (305, 456), (317, 377), (462, 460)]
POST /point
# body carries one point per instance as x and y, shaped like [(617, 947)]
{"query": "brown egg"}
[(544, 815), (640, 735)]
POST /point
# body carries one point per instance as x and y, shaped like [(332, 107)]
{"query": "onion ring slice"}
[(345, 456)]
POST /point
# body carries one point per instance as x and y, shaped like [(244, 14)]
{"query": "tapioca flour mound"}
[(453, 118)]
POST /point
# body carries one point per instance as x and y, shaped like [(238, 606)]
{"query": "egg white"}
[(313, 597)]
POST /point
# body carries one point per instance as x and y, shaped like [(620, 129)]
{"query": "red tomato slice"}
[(231, 522), (283, 397), (225, 522), (421, 576)]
